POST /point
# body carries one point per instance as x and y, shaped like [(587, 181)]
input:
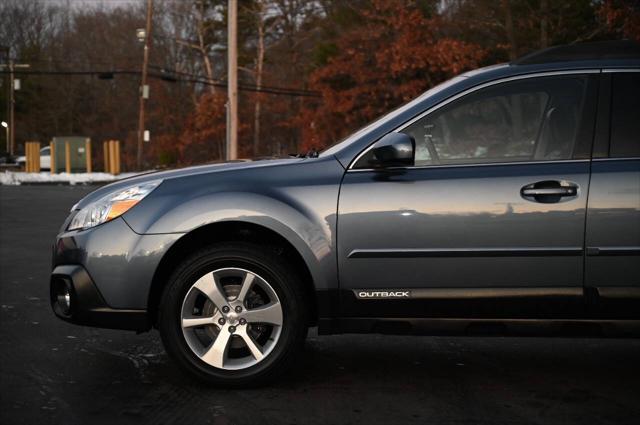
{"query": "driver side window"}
[(535, 119)]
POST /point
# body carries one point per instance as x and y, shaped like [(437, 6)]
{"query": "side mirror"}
[(393, 150)]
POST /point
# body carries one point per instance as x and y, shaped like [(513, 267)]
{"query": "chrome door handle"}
[(557, 191)]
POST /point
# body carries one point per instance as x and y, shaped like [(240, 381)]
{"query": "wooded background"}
[(311, 71)]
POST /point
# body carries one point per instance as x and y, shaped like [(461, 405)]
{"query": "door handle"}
[(557, 191), (549, 191)]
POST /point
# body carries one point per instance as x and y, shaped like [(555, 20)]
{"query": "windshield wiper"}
[(310, 154)]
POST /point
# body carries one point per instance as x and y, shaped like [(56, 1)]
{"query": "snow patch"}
[(16, 178)]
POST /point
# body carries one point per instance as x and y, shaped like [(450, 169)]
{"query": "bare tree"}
[(266, 22), (199, 13), (508, 25), (259, 69), (544, 23)]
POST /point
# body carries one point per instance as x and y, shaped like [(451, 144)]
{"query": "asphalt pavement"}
[(52, 372)]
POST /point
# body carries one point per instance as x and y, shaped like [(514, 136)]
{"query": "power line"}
[(182, 77), (249, 87), (187, 77)]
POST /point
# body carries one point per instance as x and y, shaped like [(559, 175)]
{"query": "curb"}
[(92, 183)]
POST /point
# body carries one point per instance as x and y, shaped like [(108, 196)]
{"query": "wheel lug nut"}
[(238, 309), (225, 309), (243, 321), (232, 329), (221, 321)]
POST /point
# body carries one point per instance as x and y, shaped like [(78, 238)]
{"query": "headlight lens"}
[(111, 206)]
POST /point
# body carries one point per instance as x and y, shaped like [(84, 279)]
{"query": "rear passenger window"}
[(625, 115), (534, 119)]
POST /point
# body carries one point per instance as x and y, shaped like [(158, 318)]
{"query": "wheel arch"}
[(229, 231)]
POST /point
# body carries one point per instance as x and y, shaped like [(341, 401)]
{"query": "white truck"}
[(45, 159)]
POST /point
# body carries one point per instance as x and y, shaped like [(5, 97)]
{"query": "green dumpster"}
[(77, 154)]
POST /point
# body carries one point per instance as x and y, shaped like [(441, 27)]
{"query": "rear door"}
[(613, 220), (490, 220)]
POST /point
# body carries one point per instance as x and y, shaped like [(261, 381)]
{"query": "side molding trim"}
[(466, 252), (468, 293), (613, 251)]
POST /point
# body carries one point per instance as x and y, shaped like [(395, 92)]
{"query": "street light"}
[(141, 34), (6, 128)]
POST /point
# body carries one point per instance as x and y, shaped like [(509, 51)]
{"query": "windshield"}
[(331, 150)]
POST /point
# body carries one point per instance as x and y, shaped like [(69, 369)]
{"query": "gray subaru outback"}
[(504, 201)]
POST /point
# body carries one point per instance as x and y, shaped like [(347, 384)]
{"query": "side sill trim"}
[(465, 252), (482, 327)]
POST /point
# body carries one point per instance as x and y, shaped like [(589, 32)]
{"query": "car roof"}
[(593, 55), (593, 51)]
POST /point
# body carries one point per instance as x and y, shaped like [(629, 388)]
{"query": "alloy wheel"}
[(231, 318)]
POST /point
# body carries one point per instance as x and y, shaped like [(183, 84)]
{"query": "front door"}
[(489, 222)]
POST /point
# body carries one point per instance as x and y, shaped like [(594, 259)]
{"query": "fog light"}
[(61, 296), (64, 300)]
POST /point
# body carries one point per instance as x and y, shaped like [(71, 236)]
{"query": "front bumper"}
[(85, 304), (110, 271)]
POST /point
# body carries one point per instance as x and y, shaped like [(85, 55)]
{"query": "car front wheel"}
[(233, 315)]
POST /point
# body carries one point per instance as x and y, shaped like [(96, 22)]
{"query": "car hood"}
[(180, 173)]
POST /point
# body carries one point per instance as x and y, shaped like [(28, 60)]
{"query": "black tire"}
[(256, 259)]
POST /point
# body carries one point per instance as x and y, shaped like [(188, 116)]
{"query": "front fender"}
[(303, 210)]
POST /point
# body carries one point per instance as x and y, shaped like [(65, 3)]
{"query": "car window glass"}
[(532, 119), (625, 115), (45, 151)]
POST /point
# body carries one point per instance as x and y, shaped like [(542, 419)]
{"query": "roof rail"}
[(595, 50)]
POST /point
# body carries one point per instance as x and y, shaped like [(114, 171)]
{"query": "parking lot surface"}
[(52, 372)]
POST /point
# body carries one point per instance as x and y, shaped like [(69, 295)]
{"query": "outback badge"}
[(362, 294)]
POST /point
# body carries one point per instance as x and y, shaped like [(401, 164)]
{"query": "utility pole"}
[(144, 90), (12, 108), (12, 100), (232, 81)]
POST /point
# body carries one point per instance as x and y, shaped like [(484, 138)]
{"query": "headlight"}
[(111, 206)]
